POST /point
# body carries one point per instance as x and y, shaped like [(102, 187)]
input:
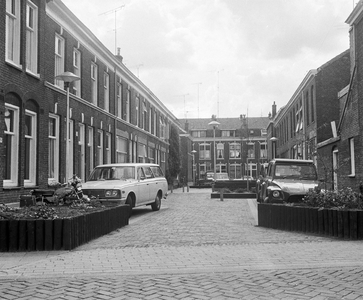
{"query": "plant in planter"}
[(345, 198)]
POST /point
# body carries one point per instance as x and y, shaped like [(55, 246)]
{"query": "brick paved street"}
[(195, 247)]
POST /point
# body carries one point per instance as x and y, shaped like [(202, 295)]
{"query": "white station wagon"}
[(135, 184)]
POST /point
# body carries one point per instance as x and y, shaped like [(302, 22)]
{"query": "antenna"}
[(198, 83), (137, 68), (114, 11)]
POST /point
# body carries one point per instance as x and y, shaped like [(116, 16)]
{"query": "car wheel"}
[(157, 204), (130, 203)]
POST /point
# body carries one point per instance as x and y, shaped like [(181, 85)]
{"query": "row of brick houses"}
[(322, 120), (113, 116), (239, 146)]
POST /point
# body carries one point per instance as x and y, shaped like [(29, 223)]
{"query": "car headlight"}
[(276, 194), (111, 193)]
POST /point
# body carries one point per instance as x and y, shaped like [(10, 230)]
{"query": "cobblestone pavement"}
[(195, 247)]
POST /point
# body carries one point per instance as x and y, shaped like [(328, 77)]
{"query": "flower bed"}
[(57, 228)]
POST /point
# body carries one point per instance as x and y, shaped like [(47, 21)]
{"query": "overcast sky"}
[(241, 55)]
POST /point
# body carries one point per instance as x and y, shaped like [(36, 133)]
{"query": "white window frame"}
[(32, 155), (31, 38), (108, 147), (235, 148), (352, 157), (100, 147), (137, 111), (121, 149), (14, 133), (119, 99), (127, 110), (58, 59), (106, 91), (94, 82), (204, 153), (90, 146), (77, 67), (12, 44), (82, 150), (54, 139)]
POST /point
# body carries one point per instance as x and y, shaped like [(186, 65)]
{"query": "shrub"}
[(345, 198)]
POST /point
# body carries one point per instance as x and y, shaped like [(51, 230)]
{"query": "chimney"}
[(187, 126), (273, 110), (118, 56)]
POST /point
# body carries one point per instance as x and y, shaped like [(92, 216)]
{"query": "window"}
[(235, 150), (263, 150), (251, 150), (108, 148), (150, 119), (199, 133), (352, 157), (128, 106), (77, 71), (100, 146), (90, 148), (142, 155), (204, 151), (220, 151), (144, 116), (137, 111), (312, 104), (154, 122), (106, 90), (94, 82), (263, 132), (53, 148), (12, 45), (31, 37), (121, 150), (235, 171), (30, 148), (119, 100), (162, 160), (162, 129), (11, 145), (82, 151), (59, 60), (151, 155)]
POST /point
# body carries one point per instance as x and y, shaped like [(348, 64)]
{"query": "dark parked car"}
[(286, 180)]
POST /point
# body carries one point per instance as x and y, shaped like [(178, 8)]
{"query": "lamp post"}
[(273, 140), (215, 124), (193, 160), (67, 78)]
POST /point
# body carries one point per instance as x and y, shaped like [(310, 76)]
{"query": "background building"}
[(240, 146)]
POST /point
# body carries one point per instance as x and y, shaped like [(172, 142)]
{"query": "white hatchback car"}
[(135, 184)]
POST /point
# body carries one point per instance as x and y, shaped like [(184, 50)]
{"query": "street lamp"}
[(67, 78), (215, 124), (193, 160), (273, 140)]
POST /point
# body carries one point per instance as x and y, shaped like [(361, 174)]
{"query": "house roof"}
[(226, 123)]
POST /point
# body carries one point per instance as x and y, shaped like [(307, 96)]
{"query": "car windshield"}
[(112, 173), (295, 171)]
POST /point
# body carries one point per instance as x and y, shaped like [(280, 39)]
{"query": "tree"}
[(173, 169)]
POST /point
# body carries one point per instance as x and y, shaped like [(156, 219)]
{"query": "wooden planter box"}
[(60, 234), (347, 224), (234, 195)]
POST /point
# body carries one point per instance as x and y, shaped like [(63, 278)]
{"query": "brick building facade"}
[(343, 152), (114, 117)]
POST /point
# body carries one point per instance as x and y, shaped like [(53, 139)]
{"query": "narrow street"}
[(195, 247)]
